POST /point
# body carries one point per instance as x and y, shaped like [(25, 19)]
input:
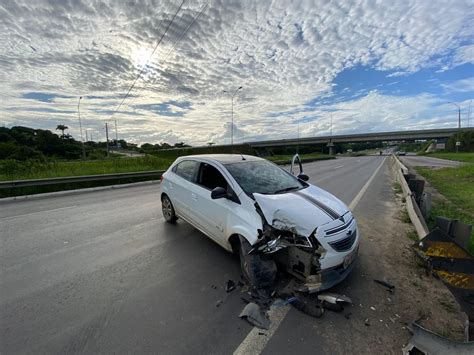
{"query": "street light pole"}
[(80, 127), (232, 117), (459, 114), (459, 124)]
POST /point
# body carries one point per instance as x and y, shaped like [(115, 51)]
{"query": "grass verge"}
[(464, 157), (14, 170), (457, 186)]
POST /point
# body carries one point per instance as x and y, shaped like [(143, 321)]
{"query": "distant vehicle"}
[(401, 152), (253, 207)]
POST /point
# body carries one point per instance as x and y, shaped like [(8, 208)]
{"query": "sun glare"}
[(140, 57)]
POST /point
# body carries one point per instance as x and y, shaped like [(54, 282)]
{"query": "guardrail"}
[(73, 179), (412, 208)]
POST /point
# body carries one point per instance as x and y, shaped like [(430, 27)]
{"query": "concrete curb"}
[(412, 208), (77, 191)]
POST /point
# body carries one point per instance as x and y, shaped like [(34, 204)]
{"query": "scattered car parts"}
[(254, 314), (425, 341)]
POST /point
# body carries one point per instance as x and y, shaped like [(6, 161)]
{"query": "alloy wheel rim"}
[(166, 208)]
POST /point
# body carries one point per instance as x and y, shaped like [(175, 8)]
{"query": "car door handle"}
[(194, 197)]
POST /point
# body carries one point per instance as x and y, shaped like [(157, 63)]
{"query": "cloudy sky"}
[(370, 66)]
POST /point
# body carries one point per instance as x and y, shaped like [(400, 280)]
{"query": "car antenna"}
[(243, 158)]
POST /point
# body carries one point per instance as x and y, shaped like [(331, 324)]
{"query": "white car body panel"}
[(307, 210)]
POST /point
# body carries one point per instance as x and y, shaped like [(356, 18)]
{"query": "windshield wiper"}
[(286, 189)]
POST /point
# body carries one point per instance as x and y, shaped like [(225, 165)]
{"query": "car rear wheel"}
[(258, 271), (168, 210)]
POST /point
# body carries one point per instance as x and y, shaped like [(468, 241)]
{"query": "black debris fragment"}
[(309, 305), (218, 303), (367, 322), (387, 284), (229, 286), (254, 314)]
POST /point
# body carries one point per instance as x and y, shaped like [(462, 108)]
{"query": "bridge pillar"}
[(332, 149)]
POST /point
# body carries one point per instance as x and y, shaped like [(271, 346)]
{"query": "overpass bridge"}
[(363, 137)]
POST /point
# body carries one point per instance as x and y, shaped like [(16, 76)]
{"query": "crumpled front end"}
[(315, 247)]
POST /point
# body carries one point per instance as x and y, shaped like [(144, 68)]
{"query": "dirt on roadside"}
[(421, 296)]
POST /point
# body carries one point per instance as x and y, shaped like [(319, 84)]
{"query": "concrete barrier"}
[(413, 210)]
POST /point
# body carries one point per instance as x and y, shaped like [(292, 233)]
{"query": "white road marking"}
[(339, 166), (254, 343), (257, 339), (362, 191), (33, 213)]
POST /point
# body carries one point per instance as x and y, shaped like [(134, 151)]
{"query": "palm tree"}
[(62, 128)]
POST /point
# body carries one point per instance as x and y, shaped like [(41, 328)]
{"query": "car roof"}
[(222, 158)]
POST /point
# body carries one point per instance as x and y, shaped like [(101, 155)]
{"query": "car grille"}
[(335, 230), (346, 243)]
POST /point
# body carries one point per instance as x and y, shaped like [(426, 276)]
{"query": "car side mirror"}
[(303, 177), (218, 192)]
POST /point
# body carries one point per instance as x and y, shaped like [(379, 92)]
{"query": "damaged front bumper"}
[(321, 260), (332, 276)]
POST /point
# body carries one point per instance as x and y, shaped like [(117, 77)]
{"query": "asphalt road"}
[(430, 162), (102, 272)]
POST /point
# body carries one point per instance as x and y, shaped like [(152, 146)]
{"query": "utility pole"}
[(87, 140), (80, 128), (116, 135), (107, 137), (469, 114), (232, 118)]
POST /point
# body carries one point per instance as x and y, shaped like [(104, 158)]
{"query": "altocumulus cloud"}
[(288, 56)]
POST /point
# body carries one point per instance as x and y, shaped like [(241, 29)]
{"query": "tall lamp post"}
[(232, 117), (458, 143), (80, 127)]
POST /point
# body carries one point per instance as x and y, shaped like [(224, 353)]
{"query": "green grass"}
[(397, 188), (404, 216), (457, 185), (14, 170), (464, 157)]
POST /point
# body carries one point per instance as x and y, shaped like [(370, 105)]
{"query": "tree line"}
[(25, 143)]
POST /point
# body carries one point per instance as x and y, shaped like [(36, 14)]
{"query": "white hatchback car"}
[(253, 207)]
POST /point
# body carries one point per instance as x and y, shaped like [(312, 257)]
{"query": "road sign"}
[(458, 143)]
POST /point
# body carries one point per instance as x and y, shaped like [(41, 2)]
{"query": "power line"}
[(144, 66), (172, 49)]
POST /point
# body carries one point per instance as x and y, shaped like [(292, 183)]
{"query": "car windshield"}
[(263, 177)]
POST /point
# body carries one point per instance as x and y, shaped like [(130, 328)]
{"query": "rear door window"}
[(186, 169), (210, 178)]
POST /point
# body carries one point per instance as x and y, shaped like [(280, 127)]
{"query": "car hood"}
[(300, 211)]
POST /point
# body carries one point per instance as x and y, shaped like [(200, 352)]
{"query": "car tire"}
[(168, 210), (257, 271)]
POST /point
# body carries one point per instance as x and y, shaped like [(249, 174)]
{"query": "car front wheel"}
[(168, 210), (258, 271)]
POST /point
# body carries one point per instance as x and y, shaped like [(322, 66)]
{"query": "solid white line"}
[(362, 191), (33, 213), (339, 166), (257, 339)]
